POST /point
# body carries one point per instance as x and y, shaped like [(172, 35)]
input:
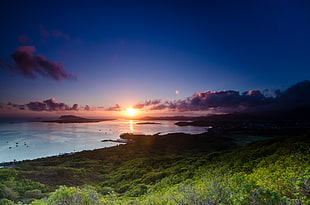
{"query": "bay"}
[(31, 140)]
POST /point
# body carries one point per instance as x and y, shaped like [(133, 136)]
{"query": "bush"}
[(7, 193), (33, 194), (6, 202), (74, 196)]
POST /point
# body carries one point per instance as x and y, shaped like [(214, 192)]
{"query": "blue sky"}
[(126, 52)]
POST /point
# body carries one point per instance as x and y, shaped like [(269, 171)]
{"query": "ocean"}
[(30, 140)]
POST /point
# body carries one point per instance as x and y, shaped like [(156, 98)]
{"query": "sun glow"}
[(131, 111)]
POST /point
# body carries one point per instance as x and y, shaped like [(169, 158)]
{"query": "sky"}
[(101, 57)]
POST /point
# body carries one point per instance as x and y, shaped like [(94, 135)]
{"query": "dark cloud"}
[(298, 94), (20, 107), (37, 106), (50, 105), (30, 65), (87, 108), (47, 105), (147, 103), (222, 100), (117, 107), (159, 107), (232, 101), (75, 107)]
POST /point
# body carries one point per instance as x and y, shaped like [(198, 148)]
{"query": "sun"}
[(131, 111)]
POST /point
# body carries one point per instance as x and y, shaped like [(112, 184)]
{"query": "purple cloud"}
[(20, 107), (147, 103), (50, 105), (117, 107), (30, 65), (232, 101)]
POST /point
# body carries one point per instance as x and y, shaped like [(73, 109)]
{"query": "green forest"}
[(169, 169)]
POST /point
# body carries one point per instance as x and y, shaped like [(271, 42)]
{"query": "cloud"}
[(19, 107), (117, 107), (56, 34), (50, 105), (159, 107), (75, 107), (47, 105), (298, 94), (30, 65), (147, 103), (232, 101), (228, 101), (87, 108)]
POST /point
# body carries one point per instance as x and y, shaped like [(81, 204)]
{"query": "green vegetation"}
[(170, 169)]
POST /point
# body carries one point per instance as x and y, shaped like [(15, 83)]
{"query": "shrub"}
[(74, 196), (6, 202), (7, 193), (33, 194)]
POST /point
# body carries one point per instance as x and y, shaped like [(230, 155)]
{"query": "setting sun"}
[(131, 111)]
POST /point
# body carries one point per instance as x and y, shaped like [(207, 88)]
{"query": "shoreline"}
[(14, 163), (236, 136)]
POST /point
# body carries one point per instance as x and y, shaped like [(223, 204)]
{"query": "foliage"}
[(275, 171), (74, 195), (6, 202), (13, 188)]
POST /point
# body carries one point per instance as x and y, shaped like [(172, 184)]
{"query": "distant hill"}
[(75, 119)]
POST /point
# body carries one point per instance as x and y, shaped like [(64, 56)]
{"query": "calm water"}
[(30, 140)]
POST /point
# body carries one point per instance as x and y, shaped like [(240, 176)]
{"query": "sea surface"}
[(31, 140)]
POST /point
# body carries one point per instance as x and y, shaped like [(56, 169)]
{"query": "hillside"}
[(175, 168)]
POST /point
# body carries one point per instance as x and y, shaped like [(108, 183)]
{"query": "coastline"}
[(235, 137), (155, 158), (237, 133)]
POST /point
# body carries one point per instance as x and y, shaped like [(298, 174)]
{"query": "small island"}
[(148, 123), (118, 140), (75, 119)]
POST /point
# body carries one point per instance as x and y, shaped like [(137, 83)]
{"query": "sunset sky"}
[(101, 57)]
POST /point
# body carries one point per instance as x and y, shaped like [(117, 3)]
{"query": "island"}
[(75, 119), (148, 123)]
